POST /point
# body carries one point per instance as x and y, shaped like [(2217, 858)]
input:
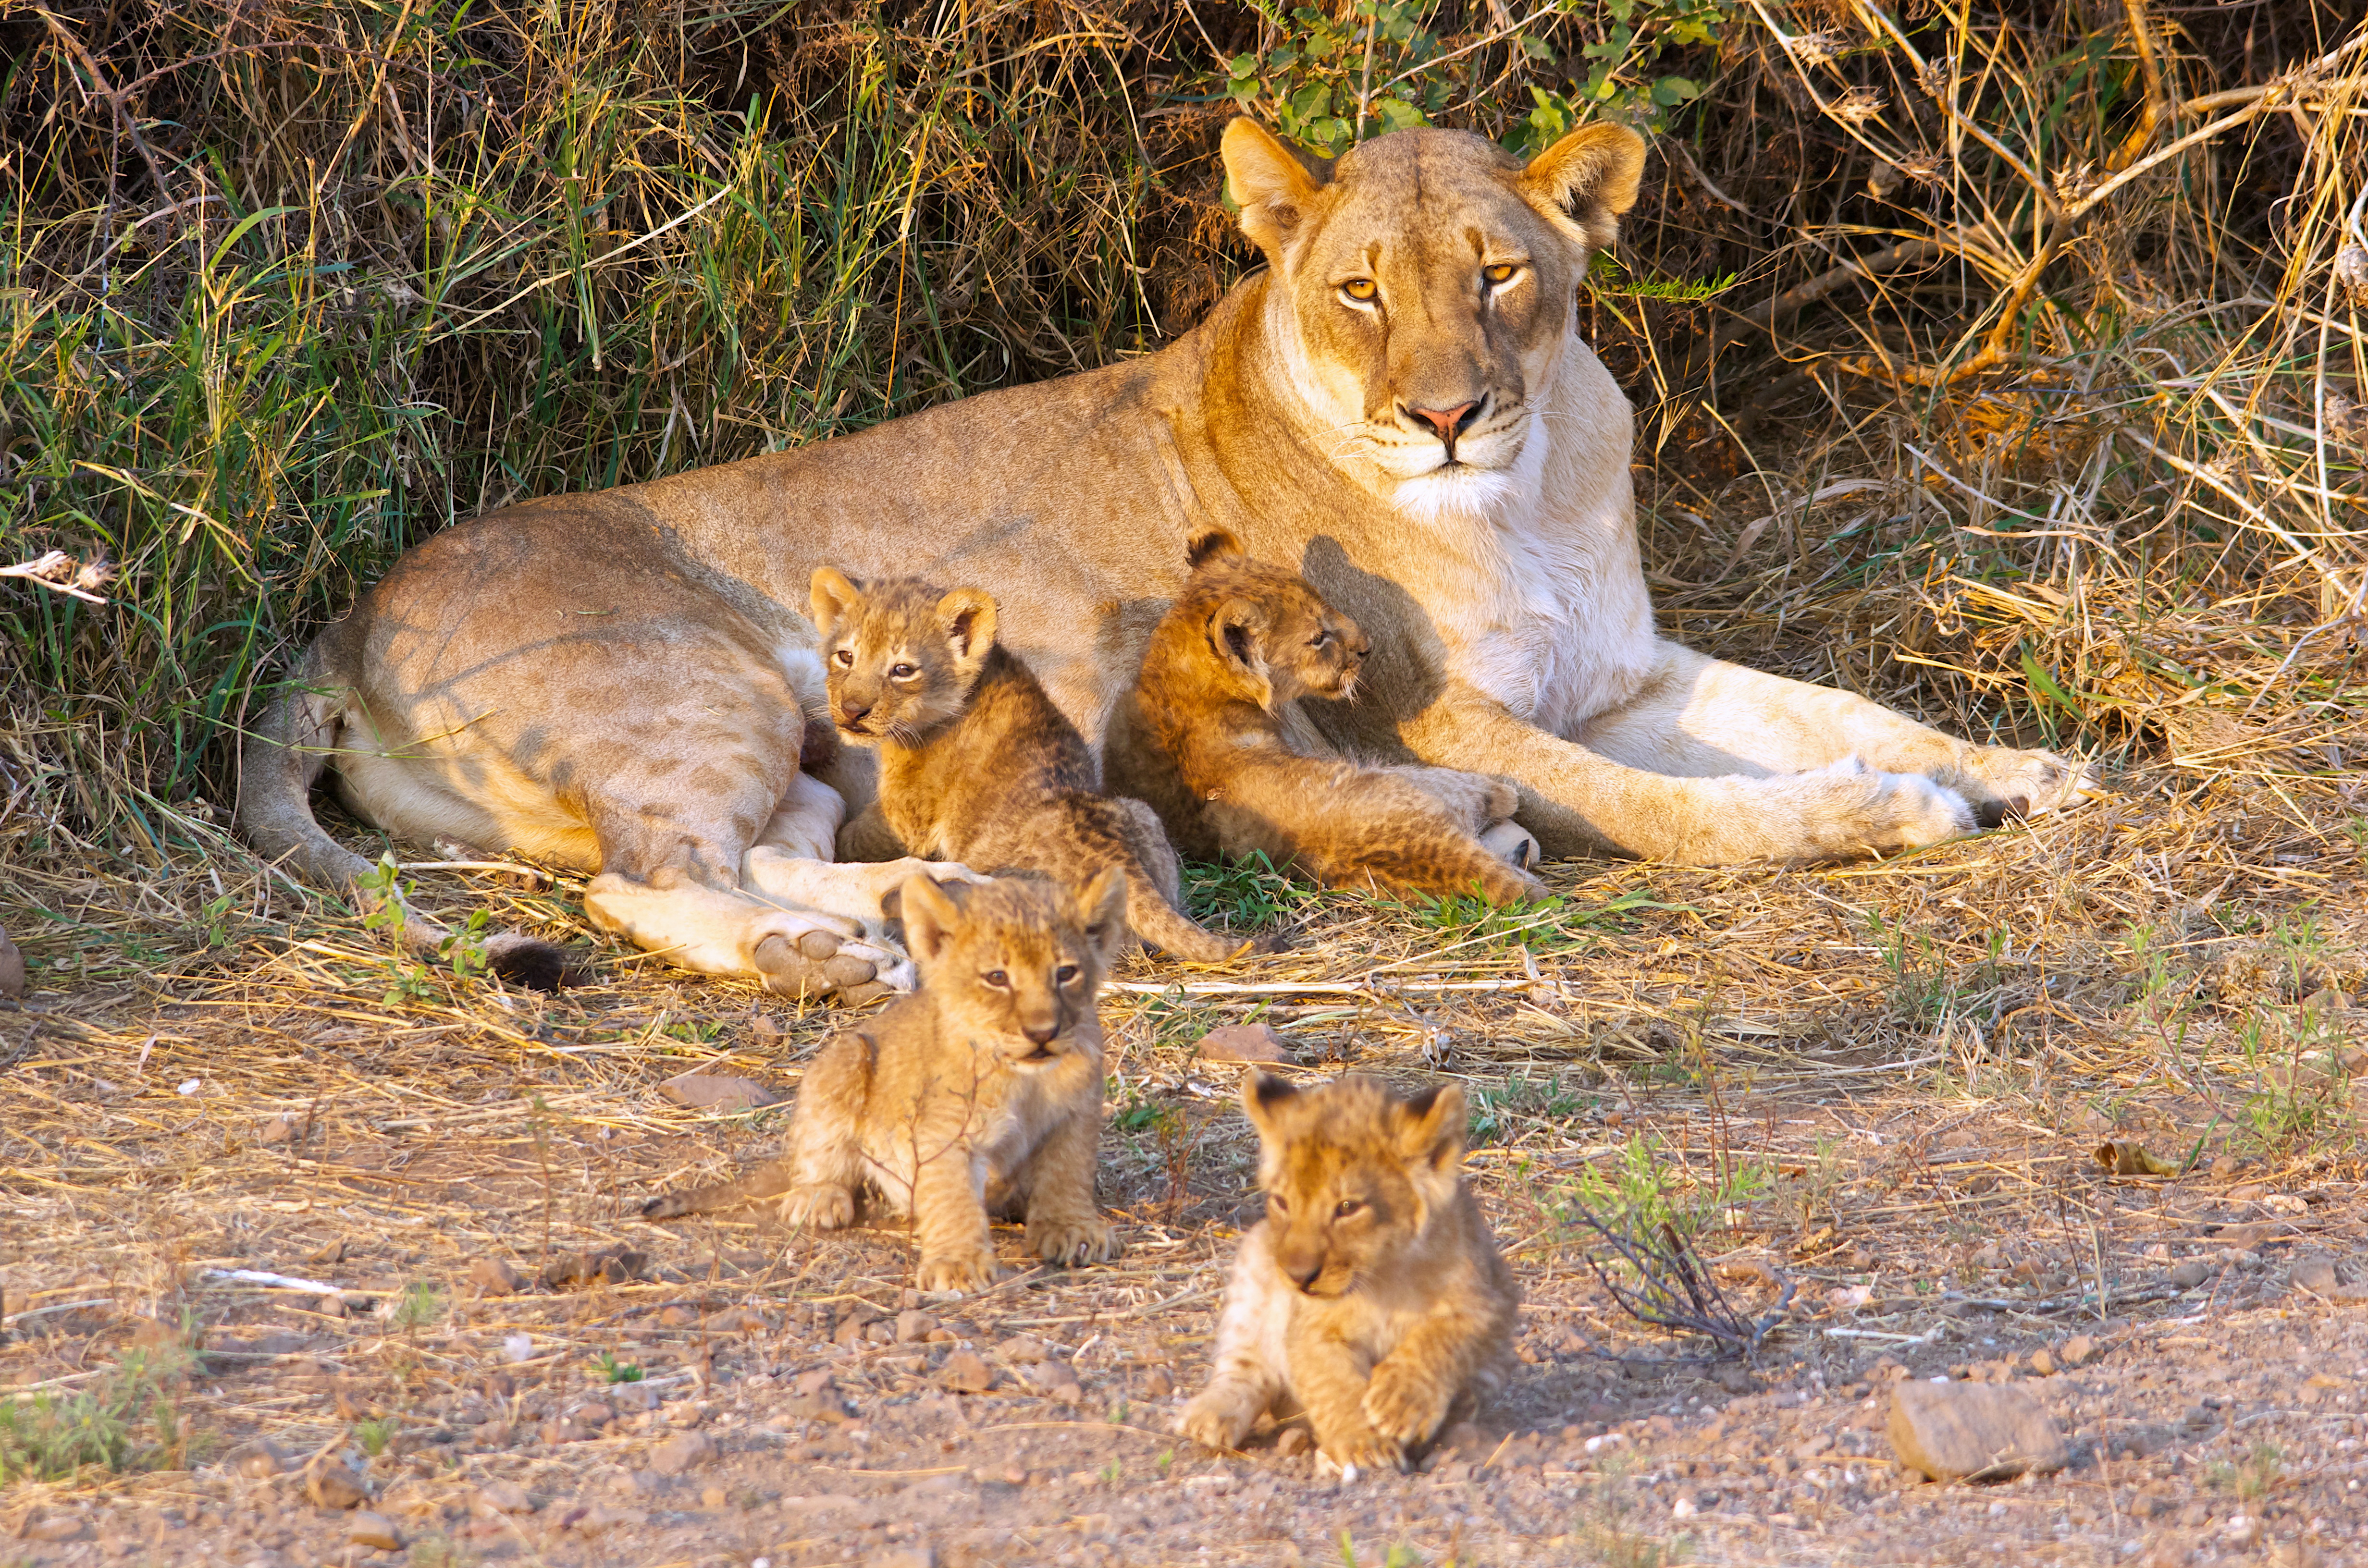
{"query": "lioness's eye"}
[(902, 672), (1360, 290), (1066, 973), (1500, 274), (845, 657), (998, 978), (1346, 1207)]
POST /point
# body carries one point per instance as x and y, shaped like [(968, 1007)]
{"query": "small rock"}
[(503, 1497), (683, 1452), (57, 1526), (715, 1091), (1068, 1392), (374, 1529), (817, 1381), (2078, 1350), (913, 1325), (261, 1463), (331, 1306), (966, 1372), (2226, 1166), (1157, 1384), (1242, 1042), (2043, 1363), (1021, 1348), (11, 968), (2314, 1272), (594, 1414), (2190, 1274), (2242, 1529), (331, 1485), (556, 1433), (617, 1266), (713, 1497), (1294, 1441), (1972, 1431), (494, 1277), (278, 1130)]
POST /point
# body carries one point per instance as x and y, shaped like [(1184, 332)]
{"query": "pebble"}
[(331, 1485), (374, 1529), (2078, 1351), (11, 968), (503, 1497), (966, 1372), (494, 1277), (57, 1526), (1294, 1441), (2190, 1274), (683, 1452), (1242, 1042), (717, 1091), (1157, 1383), (712, 1497), (1952, 1431), (913, 1325)]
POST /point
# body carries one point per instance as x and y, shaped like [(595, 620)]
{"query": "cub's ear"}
[(834, 598), (1584, 181), (1272, 183), (1238, 632), (930, 917), (1265, 1098), (1215, 545), (967, 618), (1430, 1129), (1101, 909)]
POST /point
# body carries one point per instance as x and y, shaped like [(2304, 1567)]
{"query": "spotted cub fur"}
[(976, 764), (1371, 1295), (980, 1092), (1208, 738)]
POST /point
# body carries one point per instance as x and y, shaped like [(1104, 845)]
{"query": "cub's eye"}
[(1346, 1206), (844, 658), (998, 978), (1500, 274), (1066, 973), (1320, 639), (1282, 1204), (1359, 290), (902, 672)]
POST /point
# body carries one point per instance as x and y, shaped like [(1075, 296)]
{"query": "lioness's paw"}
[(955, 1272), (1867, 810), (2003, 784), (813, 965), (1072, 1242), (1405, 1405), (1361, 1450), (1512, 844), (822, 1207), (1213, 1421)]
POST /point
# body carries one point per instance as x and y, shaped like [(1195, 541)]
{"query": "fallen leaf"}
[(2131, 1159)]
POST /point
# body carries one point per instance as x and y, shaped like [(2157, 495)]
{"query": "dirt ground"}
[(1881, 1089)]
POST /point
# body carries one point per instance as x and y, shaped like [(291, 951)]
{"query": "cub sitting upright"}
[(976, 764), (980, 1092), (1204, 738), (1371, 1294)]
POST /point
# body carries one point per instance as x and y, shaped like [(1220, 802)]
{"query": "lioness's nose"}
[(1448, 421), (853, 712)]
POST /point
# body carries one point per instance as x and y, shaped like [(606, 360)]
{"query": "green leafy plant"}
[(1498, 1113), (614, 1371), (374, 1435), (122, 1420)]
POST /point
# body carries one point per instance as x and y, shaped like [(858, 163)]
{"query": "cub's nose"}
[(852, 712), (1449, 422), (1303, 1274), (1042, 1034)]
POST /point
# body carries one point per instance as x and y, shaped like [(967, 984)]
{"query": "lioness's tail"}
[(279, 763), (768, 1180)]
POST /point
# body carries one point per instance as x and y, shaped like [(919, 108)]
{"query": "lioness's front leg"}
[(1701, 717)]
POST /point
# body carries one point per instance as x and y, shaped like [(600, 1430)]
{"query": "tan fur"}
[(1200, 738), (1372, 1294), (975, 763), (981, 1093), (608, 674)]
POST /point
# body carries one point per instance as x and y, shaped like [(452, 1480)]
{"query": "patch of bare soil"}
[(310, 1258)]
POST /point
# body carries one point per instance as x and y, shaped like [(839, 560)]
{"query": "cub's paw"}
[(1213, 1421), (1072, 1242), (1361, 1451), (1406, 1405), (822, 1207), (955, 1272), (2006, 785)]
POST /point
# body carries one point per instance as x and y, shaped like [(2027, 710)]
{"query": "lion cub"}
[(1203, 738), (981, 1091), (976, 764), (1372, 1294)]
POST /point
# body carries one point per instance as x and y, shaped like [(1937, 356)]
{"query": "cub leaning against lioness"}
[(979, 1092), (1371, 1294), (1206, 738)]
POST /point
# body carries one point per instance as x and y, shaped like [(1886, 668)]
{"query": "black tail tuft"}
[(529, 961), (667, 1207)]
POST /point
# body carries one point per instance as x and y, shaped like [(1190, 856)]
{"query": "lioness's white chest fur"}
[(1549, 614)]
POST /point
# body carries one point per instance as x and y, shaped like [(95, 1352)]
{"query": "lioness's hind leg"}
[(797, 952)]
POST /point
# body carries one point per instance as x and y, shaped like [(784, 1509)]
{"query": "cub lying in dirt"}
[(976, 764), (1372, 1294), (1206, 737), (988, 1080)]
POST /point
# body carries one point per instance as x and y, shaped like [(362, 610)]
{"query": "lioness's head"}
[(1271, 636), (1424, 285), (900, 657), (1352, 1172), (1014, 965)]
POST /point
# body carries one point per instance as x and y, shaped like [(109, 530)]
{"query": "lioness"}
[(1399, 405), (980, 1093)]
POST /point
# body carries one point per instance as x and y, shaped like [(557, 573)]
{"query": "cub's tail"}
[(279, 763), (768, 1180), (1165, 926)]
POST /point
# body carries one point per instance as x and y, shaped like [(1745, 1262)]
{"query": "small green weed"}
[(1645, 1188), (1498, 1114), (2251, 1478), (420, 1305), (1244, 895), (376, 1434), (123, 1420), (1920, 992), (615, 1372)]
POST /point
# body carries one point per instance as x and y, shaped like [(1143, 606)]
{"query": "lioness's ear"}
[(1431, 1128), (1271, 182), (1215, 545), (1102, 909), (1238, 632), (833, 597), (967, 617), (930, 917), (1264, 1099), (1586, 180)]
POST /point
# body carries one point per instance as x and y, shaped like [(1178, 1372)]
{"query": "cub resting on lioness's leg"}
[(1203, 738), (980, 1094), (975, 763), (1372, 1293)]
